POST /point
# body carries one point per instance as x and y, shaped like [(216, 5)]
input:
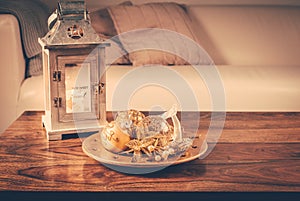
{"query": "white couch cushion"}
[(249, 35), (261, 88), (31, 96), (247, 88)]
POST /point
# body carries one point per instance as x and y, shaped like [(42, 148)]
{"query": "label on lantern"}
[(78, 89)]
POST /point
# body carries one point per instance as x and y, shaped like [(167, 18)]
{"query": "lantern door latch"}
[(99, 88), (57, 76), (57, 101)]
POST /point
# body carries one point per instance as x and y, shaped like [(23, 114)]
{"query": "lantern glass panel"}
[(78, 88)]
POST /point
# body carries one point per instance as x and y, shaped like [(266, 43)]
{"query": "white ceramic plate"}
[(92, 146)]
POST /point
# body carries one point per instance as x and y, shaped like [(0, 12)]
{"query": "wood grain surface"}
[(255, 152)]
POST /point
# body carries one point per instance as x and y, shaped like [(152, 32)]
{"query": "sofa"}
[(255, 48)]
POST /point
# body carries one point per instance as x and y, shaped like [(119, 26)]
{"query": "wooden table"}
[(257, 152)]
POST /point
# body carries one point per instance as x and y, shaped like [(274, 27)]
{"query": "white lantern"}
[(73, 72)]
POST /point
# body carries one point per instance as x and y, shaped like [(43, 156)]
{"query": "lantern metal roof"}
[(70, 25)]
